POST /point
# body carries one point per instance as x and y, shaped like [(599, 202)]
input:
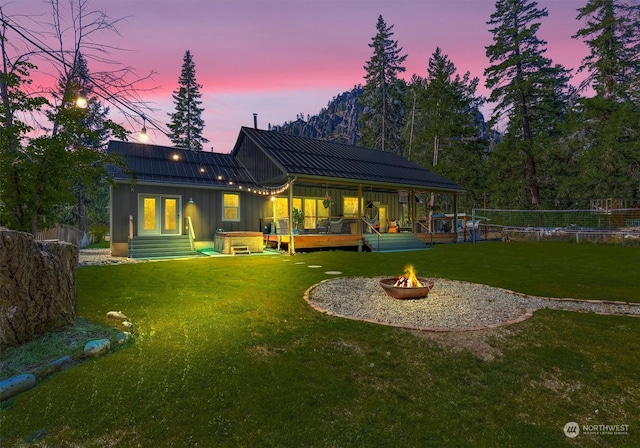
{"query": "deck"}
[(325, 241)]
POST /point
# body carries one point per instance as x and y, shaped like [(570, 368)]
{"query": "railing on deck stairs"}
[(373, 229), (192, 235), (426, 229)]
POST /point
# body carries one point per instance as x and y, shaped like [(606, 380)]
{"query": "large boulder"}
[(37, 286)]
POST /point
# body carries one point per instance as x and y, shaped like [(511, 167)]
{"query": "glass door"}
[(159, 215)]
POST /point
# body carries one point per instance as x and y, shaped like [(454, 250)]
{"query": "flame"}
[(409, 279), (413, 279)]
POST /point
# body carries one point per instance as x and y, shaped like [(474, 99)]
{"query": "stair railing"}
[(373, 229), (192, 235), (426, 229)]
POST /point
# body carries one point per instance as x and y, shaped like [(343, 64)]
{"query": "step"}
[(160, 247), (240, 250), (394, 242)]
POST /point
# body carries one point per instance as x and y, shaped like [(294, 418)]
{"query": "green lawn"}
[(228, 354)]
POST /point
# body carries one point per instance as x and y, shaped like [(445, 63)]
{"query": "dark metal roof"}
[(162, 164), (307, 157)]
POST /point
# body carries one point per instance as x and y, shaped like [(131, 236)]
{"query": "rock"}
[(127, 324), (97, 347), (15, 385), (123, 337), (38, 286), (116, 315), (61, 363)]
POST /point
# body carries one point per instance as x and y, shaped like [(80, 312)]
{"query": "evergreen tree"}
[(39, 172), (606, 128), (612, 33), (186, 122), (528, 90), (383, 99), (449, 122)]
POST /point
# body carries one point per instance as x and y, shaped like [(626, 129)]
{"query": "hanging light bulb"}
[(143, 132), (81, 101)]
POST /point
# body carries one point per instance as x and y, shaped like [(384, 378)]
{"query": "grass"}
[(228, 354)]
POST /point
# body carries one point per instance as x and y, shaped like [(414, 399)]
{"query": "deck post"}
[(360, 212), (292, 246), (455, 216)]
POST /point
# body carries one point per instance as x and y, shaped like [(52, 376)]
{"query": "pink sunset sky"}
[(279, 58)]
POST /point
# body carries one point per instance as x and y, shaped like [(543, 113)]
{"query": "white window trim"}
[(239, 208)]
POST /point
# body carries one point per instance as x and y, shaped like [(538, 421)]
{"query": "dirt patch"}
[(484, 344)]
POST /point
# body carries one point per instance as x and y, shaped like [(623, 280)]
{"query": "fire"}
[(409, 279)]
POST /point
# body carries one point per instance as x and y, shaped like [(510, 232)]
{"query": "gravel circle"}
[(451, 305)]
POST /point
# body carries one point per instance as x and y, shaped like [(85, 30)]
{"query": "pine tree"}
[(448, 122), (383, 98), (606, 130), (186, 122), (528, 90), (612, 33)]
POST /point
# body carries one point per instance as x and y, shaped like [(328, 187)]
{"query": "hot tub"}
[(225, 241)]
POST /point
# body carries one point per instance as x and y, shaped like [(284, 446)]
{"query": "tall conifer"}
[(527, 89), (186, 122), (383, 97)]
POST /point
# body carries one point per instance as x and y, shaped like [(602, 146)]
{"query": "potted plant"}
[(327, 201), (298, 219)]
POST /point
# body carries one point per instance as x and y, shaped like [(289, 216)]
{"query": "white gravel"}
[(93, 257), (450, 306)]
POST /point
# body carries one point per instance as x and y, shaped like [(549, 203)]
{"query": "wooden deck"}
[(314, 241), (323, 241)]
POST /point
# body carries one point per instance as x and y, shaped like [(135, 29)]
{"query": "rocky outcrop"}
[(37, 286)]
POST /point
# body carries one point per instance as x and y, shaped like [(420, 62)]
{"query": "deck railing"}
[(192, 235), (372, 229)]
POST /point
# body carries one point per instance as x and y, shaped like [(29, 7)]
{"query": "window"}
[(310, 213), (350, 207), (231, 207)]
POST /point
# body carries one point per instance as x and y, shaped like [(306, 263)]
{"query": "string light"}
[(143, 133)]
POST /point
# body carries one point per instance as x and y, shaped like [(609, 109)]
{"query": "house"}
[(169, 193)]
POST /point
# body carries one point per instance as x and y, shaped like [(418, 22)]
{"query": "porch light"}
[(190, 200), (175, 157), (219, 176)]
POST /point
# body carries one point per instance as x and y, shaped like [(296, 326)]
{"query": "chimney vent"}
[(255, 120)]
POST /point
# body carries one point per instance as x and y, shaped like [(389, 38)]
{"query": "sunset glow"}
[(282, 58)]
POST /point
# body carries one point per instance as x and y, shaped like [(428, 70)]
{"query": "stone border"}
[(527, 314)]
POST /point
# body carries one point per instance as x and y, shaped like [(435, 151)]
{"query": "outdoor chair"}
[(336, 226), (323, 226), (283, 227)]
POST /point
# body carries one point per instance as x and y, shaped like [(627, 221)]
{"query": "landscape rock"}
[(123, 337), (116, 315), (16, 384), (62, 363), (97, 347), (37, 286)]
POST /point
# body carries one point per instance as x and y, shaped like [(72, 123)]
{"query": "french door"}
[(159, 215)]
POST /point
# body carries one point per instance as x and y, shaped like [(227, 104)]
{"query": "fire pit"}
[(407, 286)]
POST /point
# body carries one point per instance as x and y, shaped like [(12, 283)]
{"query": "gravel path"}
[(450, 306), (92, 257)]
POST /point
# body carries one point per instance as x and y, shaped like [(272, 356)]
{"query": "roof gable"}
[(301, 156), (163, 164)]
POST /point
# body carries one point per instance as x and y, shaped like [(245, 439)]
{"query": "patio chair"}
[(283, 227), (336, 226), (323, 226), (392, 226)]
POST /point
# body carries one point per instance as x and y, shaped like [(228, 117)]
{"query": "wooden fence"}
[(66, 233)]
